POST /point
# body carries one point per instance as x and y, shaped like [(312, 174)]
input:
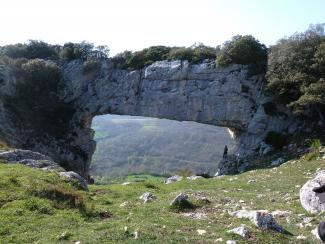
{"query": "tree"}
[(296, 72), (242, 50)]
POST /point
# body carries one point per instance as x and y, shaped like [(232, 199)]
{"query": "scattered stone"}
[(136, 234), (201, 232), (307, 220), (147, 197), (193, 177), (251, 181), (301, 237), (219, 240), (126, 183), (71, 176), (172, 179), (179, 200), (203, 200), (124, 204), (315, 233), (310, 199), (261, 218), (241, 201), (242, 231), (231, 242), (277, 162), (77, 242), (195, 215), (281, 214)]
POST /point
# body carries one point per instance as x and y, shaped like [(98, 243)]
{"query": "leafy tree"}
[(242, 50), (31, 50), (296, 72)]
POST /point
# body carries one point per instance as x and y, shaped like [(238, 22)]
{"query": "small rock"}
[(261, 218), (203, 200), (147, 197), (307, 220), (126, 183), (194, 177), (301, 237), (241, 201), (172, 179), (71, 176), (251, 181), (201, 232), (277, 162), (280, 213), (124, 204), (315, 233), (242, 231), (136, 235), (231, 242), (179, 199), (195, 215), (219, 240), (77, 242)]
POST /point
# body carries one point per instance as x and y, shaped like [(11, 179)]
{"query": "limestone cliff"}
[(231, 97)]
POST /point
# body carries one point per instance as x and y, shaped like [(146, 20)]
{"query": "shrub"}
[(194, 54), (31, 50), (314, 150), (296, 72), (147, 56), (47, 114), (242, 50), (90, 66), (276, 139)]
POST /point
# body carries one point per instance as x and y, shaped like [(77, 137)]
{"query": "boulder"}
[(71, 176), (147, 197), (179, 200), (172, 179), (308, 198), (261, 218), (277, 162), (242, 231)]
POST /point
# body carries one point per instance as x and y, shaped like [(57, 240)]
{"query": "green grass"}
[(38, 207)]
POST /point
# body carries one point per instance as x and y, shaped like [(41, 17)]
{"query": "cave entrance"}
[(143, 145)]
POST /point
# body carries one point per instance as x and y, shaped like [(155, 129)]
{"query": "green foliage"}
[(276, 139), (32, 49), (314, 151), (147, 56), (91, 66), (242, 50), (296, 72), (39, 79)]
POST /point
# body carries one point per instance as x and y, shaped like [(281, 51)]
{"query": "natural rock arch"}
[(230, 97)]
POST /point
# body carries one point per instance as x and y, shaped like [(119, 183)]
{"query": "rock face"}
[(309, 199), (229, 97)]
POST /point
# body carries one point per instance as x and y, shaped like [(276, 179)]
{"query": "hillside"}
[(37, 206), (128, 145)]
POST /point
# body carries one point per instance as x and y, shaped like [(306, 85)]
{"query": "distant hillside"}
[(127, 144)]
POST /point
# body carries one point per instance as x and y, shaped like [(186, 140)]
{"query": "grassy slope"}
[(28, 216)]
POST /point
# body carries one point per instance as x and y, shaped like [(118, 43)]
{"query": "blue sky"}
[(136, 24)]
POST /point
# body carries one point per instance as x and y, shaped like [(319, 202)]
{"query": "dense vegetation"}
[(129, 145), (296, 72), (139, 59), (242, 50)]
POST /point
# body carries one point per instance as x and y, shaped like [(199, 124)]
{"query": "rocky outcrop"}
[(231, 97)]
